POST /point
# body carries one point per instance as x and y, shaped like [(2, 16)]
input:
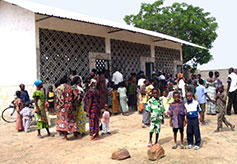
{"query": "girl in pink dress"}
[(19, 105)]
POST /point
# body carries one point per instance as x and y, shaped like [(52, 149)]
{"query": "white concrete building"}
[(38, 41)]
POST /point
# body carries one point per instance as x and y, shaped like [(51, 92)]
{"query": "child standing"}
[(50, 100), (140, 104), (27, 115), (19, 105), (193, 129), (165, 101), (156, 111), (177, 114), (202, 96), (221, 105), (148, 94), (123, 98), (105, 120), (170, 95)]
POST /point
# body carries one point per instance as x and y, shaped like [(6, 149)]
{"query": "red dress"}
[(94, 110), (19, 105), (66, 120)]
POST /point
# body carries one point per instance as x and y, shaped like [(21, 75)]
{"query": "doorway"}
[(179, 68), (149, 69)]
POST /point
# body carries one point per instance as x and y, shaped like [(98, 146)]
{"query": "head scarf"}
[(38, 82)]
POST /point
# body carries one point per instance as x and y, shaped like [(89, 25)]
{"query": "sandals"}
[(182, 146), (96, 139), (149, 145), (216, 131), (175, 146), (51, 135), (65, 138)]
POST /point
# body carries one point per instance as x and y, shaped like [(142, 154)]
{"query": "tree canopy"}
[(183, 21)]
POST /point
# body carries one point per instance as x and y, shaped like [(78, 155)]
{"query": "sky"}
[(223, 51)]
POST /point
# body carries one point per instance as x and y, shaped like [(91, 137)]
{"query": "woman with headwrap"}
[(92, 107), (40, 114)]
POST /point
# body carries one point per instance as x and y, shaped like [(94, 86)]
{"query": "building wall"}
[(126, 56), (60, 51), (123, 46), (165, 59), (17, 49), (17, 40), (20, 46)]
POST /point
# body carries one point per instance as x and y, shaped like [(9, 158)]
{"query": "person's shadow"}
[(165, 140), (102, 136)]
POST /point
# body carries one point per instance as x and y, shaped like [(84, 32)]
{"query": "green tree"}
[(182, 21)]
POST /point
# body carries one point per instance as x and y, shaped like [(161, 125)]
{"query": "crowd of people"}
[(157, 98)]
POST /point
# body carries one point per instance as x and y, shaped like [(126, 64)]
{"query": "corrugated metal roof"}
[(46, 10)]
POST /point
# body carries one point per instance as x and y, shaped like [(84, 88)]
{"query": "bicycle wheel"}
[(9, 114)]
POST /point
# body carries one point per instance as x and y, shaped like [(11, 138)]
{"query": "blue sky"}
[(223, 51)]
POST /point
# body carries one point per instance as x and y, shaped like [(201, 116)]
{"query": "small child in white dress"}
[(105, 119), (27, 114)]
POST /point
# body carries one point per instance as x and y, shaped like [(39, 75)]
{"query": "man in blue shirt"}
[(193, 129)]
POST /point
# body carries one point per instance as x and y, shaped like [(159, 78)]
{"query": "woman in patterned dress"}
[(40, 113), (211, 86), (92, 107), (66, 121), (78, 105)]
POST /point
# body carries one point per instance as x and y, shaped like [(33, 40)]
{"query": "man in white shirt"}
[(161, 77), (117, 77), (232, 91)]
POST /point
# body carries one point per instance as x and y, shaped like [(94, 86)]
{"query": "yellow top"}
[(51, 97)]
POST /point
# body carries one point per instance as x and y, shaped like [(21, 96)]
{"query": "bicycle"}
[(9, 114)]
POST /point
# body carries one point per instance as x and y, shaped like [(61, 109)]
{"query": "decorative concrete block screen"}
[(165, 58), (60, 51), (126, 56)]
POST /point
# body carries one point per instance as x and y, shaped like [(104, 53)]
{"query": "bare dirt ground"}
[(217, 148)]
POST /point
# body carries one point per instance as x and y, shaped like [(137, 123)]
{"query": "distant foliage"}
[(183, 21)]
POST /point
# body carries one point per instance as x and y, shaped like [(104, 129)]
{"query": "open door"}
[(149, 69)]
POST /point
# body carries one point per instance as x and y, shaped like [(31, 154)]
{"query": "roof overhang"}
[(55, 12)]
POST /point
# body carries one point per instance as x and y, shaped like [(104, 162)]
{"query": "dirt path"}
[(217, 148)]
